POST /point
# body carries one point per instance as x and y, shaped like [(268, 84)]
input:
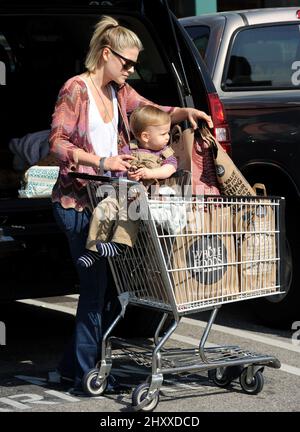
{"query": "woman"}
[(90, 133)]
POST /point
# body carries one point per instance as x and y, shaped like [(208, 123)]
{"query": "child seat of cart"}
[(172, 186)]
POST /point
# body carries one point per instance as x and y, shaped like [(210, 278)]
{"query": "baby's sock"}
[(88, 259), (110, 249)]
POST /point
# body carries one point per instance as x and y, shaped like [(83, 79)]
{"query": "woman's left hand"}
[(193, 115)]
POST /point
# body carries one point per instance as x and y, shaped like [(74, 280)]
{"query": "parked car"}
[(41, 47), (253, 57)]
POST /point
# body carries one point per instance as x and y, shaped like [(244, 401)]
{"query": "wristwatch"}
[(101, 165)]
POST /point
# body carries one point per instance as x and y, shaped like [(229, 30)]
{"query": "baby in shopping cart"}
[(110, 232)]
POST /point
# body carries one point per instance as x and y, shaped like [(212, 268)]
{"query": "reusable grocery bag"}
[(230, 179), (181, 142), (255, 227), (195, 156), (203, 257), (38, 181)]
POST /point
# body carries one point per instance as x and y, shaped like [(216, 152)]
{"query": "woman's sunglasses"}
[(128, 63)]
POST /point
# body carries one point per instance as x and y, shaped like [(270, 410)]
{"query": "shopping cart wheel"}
[(139, 394), (256, 384), (90, 385), (220, 381)]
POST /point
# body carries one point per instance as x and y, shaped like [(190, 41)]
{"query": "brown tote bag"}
[(255, 224), (230, 179)]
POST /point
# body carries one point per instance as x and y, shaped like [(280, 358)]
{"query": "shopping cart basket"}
[(193, 253)]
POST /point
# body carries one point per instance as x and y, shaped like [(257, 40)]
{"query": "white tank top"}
[(103, 135)]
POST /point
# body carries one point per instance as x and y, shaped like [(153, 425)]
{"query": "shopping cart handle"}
[(106, 179), (179, 173), (102, 179)]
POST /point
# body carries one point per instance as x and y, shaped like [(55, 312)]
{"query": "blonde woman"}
[(90, 132)]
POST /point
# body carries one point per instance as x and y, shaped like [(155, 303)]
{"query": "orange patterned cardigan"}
[(69, 133)]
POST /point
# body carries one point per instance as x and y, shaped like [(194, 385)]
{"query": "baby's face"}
[(158, 136)]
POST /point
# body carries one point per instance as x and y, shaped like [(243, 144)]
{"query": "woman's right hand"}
[(117, 163)]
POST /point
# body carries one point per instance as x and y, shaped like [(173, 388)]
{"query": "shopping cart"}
[(193, 253)]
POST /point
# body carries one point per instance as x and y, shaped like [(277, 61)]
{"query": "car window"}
[(200, 37), (263, 57)]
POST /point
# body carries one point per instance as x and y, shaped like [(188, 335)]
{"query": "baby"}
[(110, 234)]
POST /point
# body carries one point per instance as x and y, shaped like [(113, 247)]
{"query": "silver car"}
[(250, 51)]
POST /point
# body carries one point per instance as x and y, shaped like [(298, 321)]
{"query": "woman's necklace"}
[(110, 118), (107, 114)]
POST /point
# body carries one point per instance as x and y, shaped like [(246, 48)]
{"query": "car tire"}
[(281, 311)]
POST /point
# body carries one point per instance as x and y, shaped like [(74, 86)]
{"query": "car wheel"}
[(280, 311)]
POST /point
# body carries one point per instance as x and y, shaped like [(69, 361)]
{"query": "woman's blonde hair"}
[(108, 32), (145, 116)]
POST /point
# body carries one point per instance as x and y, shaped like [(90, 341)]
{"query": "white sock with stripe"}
[(110, 249), (88, 259)]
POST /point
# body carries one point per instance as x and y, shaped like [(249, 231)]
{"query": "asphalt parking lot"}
[(37, 331)]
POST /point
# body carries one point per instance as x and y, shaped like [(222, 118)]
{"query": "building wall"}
[(223, 5), (198, 7), (203, 7)]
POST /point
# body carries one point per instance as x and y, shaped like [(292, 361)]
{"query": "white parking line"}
[(290, 369), (245, 334), (195, 342), (191, 341), (50, 306)]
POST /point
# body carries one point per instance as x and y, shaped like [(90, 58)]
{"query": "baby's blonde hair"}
[(145, 116), (108, 32)]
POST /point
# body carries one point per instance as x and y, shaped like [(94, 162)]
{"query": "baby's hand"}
[(145, 173), (132, 168), (132, 175)]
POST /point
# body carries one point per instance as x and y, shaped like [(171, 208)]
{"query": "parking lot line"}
[(195, 342), (245, 334), (191, 341), (54, 306)]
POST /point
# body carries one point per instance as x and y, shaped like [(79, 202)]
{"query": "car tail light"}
[(298, 14), (221, 128)]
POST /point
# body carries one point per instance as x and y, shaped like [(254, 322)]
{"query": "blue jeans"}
[(83, 350)]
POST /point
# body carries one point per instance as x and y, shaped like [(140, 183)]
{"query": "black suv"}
[(40, 48)]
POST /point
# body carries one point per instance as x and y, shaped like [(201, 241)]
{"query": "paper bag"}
[(230, 179), (196, 157), (255, 227), (203, 258), (181, 141)]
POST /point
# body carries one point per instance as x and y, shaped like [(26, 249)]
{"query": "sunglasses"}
[(128, 63)]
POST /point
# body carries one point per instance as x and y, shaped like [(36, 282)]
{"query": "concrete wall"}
[(205, 6)]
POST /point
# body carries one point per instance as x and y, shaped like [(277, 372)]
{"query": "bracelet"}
[(101, 165)]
